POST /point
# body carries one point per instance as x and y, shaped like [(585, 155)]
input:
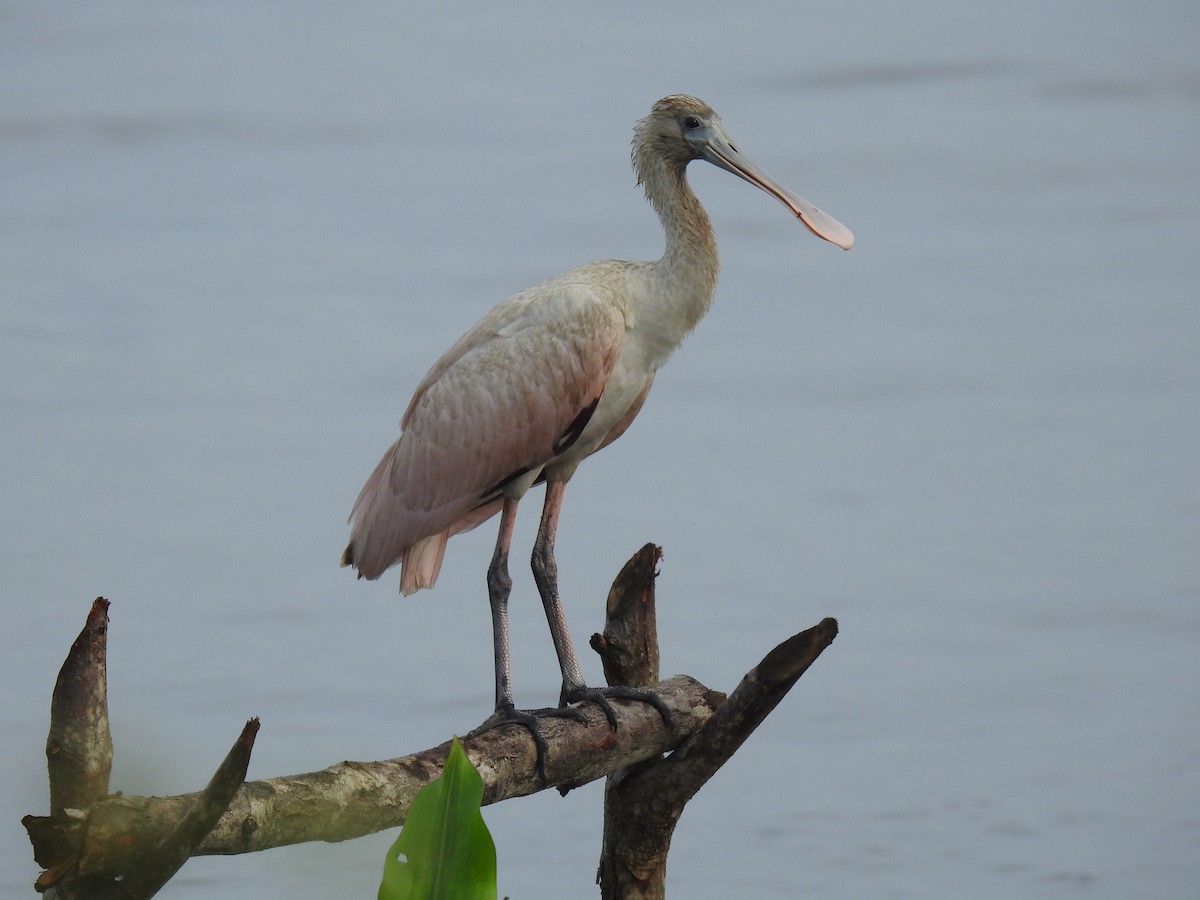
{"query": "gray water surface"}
[(233, 237)]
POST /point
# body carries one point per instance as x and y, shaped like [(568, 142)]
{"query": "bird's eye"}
[(691, 123)]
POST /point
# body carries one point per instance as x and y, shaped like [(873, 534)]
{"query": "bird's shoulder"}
[(594, 295), (569, 327)]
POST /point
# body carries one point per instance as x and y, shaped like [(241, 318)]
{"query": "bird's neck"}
[(688, 266)]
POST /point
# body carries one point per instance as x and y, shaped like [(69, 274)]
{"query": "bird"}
[(548, 377)]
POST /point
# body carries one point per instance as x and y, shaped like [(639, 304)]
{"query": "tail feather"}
[(421, 563)]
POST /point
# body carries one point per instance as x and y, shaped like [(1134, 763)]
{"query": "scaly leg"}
[(499, 589), (545, 573)]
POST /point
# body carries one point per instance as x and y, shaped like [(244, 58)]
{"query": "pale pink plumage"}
[(557, 371), (549, 376), (494, 405), (546, 378)]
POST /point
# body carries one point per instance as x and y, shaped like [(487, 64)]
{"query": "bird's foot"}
[(530, 720), (601, 697)]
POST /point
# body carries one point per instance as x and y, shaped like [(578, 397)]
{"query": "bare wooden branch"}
[(628, 647), (630, 622), (158, 866), (102, 847), (699, 757), (643, 803), (351, 799), (79, 747)]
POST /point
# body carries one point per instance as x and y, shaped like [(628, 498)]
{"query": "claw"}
[(601, 697), (530, 720)]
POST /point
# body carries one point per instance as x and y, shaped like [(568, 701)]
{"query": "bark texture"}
[(103, 846)]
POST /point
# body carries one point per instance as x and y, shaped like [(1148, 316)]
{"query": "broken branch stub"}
[(79, 746)]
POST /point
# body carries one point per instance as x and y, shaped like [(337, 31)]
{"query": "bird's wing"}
[(498, 404)]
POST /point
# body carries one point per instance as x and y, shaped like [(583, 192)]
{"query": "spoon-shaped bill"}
[(720, 152)]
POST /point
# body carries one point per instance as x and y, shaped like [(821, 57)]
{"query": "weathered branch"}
[(351, 799), (79, 747), (628, 647), (643, 803), (103, 847), (157, 867), (760, 691)]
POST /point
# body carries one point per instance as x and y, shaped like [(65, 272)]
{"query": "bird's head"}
[(680, 129), (677, 129)]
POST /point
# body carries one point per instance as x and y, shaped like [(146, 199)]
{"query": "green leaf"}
[(448, 853)]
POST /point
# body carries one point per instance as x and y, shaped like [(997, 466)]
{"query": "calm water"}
[(232, 239)]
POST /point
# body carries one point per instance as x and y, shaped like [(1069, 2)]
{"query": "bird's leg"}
[(545, 573), (499, 588)]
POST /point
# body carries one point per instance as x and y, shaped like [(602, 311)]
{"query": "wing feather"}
[(497, 402)]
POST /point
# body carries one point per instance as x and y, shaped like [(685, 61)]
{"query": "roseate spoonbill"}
[(548, 377)]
